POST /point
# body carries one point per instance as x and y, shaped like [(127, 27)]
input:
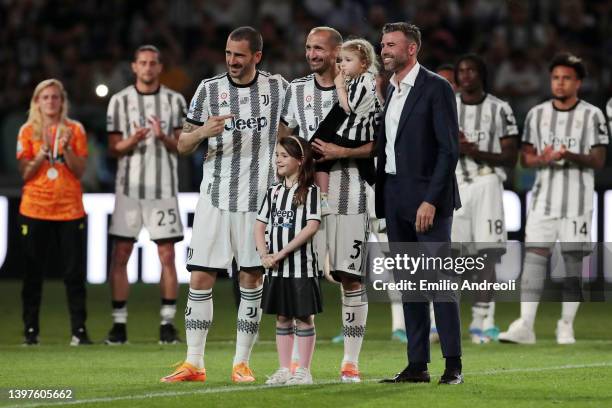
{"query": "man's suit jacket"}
[(426, 149)]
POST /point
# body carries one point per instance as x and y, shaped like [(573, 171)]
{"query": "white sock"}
[(198, 318), (249, 316), (167, 313), (354, 315), (432, 316), (528, 313), (532, 284), (489, 320), (295, 354), (568, 311), (479, 313), (397, 317), (120, 315)]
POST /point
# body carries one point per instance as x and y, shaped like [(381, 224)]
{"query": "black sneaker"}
[(116, 335), (80, 338), (168, 334), (31, 337)]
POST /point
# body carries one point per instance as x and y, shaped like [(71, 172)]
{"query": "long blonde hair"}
[(365, 51), (35, 116)]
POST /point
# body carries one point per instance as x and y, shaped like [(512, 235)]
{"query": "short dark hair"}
[(567, 59), (147, 47), (249, 34), (481, 67), (411, 31), (334, 35)]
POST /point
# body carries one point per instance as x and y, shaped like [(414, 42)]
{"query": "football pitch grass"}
[(496, 375)]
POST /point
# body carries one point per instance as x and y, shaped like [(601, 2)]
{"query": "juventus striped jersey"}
[(284, 221), (239, 162), (485, 124), (609, 113), (361, 123), (150, 170), (306, 105), (564, 189)]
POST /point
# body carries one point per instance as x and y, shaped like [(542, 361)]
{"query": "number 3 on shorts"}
[(357, 248)]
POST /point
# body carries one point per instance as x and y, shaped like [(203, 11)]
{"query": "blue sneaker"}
[(492, 333), (338, 339), (478, 336), (399, 335)]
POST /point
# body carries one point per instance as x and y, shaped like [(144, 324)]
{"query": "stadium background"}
[(85, 43), (90, 42)]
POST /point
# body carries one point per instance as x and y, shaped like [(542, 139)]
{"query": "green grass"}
[(543, 375)]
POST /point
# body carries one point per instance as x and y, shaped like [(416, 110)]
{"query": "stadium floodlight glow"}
[(102, 90)]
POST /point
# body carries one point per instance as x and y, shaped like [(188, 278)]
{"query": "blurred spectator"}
[(519, 81), (87, 42)]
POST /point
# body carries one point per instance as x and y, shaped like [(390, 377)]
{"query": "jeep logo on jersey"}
[(283, 213), (475, 136), (250, 123), (569, 142), (313, 128)]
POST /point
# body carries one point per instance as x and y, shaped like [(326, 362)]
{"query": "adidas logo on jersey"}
[(309, 106), (224, 104), (351, 267), (250, 123)]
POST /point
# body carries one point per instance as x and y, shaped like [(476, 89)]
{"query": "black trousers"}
[(39, 238), (401, 228)]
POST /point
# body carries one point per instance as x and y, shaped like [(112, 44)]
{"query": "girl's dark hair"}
[(299, 149)]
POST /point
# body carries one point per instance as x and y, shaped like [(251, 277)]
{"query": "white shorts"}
[(219, 236), (160, 217), (544, 231), (479, 224), (344, 238)]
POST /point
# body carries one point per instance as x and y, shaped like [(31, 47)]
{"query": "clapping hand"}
[(65, 137), (156, 127), (465, 146), (140, 133)]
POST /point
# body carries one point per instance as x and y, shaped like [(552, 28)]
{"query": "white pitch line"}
[(234, 388)]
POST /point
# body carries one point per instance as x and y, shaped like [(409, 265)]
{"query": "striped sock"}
[(167, 312), (198, 318), (249, 316), (306, 337), (354, 314), (284, 345)]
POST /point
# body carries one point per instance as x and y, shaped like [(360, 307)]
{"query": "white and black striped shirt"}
[(150, 170), (609, 113), (485, 124), (564, 189), (362, 121), (306, 105), (239, 163), (284, 221)]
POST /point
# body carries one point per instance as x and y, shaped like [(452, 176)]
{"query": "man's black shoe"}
[(80, 337), (31, 337), (116, 335), (451, 377), (410, 376)]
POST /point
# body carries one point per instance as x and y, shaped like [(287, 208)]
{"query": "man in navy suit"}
[(416, 189)]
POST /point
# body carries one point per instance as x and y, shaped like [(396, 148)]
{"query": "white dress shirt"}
[(394, 111)]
